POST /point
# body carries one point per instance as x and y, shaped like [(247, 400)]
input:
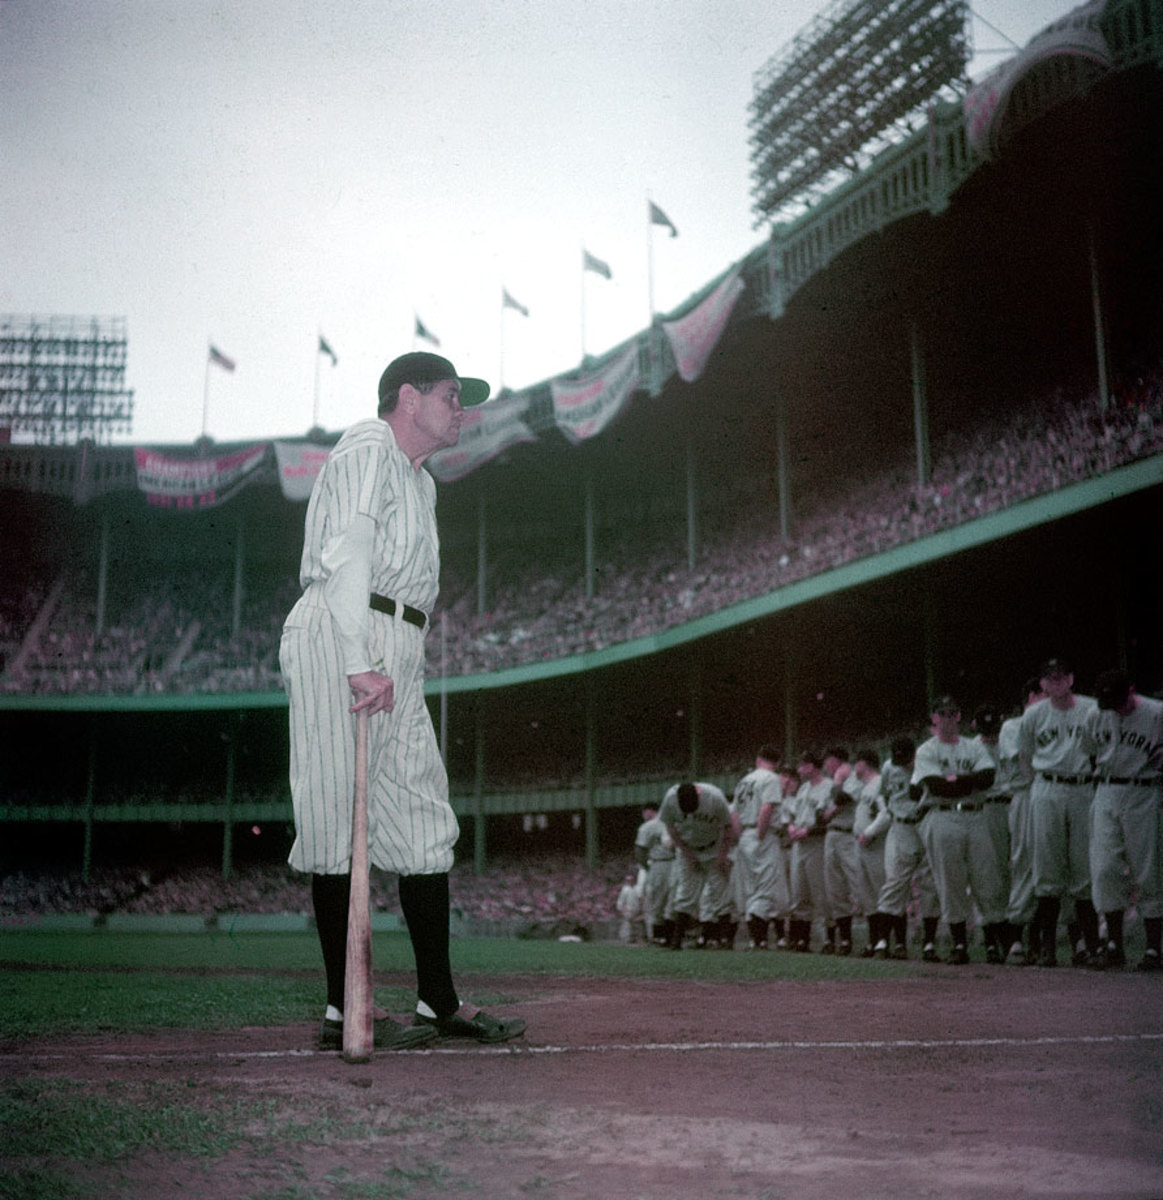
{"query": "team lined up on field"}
[(1054, 815)]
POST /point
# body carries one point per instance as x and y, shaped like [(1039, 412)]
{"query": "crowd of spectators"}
[(534, 896), (177, 637)]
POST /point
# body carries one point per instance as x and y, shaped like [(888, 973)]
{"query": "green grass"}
[(97, 982)]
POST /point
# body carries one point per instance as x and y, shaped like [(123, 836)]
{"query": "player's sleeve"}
[(347, 563)]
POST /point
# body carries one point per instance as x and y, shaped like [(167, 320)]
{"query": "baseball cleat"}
[(480, 1028), (388, 1035), (959, 956), (880, 950), (1017, 955), (900, 953), (929, 953), (1150, 962)]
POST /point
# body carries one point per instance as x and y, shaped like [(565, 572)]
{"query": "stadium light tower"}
[(62, 379), (835, 94)]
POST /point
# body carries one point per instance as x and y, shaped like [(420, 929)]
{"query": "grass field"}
[(98, 982)]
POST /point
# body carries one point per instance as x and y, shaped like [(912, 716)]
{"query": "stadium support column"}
[(692, 506), (239, 560), (90, 796), (102, 574), (920, 404), (1099, 323), (589, 533), (232, 738), (789, 689), (696, 712), (591, 771), (783, 481), (482, 552), (479, 842)]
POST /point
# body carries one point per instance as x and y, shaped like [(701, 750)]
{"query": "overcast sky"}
[(252, 173)]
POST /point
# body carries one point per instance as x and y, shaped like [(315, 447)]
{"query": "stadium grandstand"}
[(912, 443)]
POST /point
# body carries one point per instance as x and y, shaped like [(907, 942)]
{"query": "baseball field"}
[(182, 1065)]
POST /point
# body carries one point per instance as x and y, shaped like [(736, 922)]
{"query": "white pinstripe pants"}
[(411, 826)]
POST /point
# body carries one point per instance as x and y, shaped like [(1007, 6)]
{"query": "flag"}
[(216, 356), (658, 217), (507, 301), (422, 331), (324, 348), (590, 263)]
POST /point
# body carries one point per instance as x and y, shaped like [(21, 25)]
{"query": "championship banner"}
[(299, 463), (487, 430), (693, 337), (584, 407), (1078, 34), (195, 482)]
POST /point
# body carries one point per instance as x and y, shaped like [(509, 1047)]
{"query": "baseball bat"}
[(358, 1033)]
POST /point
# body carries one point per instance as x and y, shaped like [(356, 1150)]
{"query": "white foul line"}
[(521, 1049)]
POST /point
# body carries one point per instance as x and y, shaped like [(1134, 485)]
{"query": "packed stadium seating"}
[(173, 637)]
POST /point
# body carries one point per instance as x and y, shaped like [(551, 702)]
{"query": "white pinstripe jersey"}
[(368, 473), (1059, 740)]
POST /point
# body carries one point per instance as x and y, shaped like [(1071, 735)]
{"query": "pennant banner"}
[(658, 217), (590, 262), (584, 407), (299, 463), (196, 482), (422, 331), (324, 348), (693, 337), (488, 429)]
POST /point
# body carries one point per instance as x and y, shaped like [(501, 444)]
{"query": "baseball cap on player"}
[(1112, 688), (947, 706), (1055, 666), (420, 368)]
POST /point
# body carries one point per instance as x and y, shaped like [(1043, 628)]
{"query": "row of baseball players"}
[(1054, 814)]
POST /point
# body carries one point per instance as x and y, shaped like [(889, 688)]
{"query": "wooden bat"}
[(358, 1034)]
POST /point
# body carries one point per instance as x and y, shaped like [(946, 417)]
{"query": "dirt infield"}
[(959, 1083)]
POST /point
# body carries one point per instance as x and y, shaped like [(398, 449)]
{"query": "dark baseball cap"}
[(1112, 688), (421, 368), (1055, 666), (946, 704)]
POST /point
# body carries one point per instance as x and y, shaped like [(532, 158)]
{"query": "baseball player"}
[(1020, 911), (760, 869), (869, 826), (654, 852), (698, 819), (805, 830), (905, 864), (952, 774), (354, 641), (841, 868), (1126, 841), (1056, 744), (987, 721)]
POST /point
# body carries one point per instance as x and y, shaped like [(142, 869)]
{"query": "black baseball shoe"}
[(480, 1028), (1150, 962), (929, 953), (959, 956), (387, 1035)]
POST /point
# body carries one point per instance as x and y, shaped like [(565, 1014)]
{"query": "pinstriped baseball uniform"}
[(1126, 846), (411, 825), (1058, 745)]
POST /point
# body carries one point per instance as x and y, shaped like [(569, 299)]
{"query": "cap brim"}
[(473, 392)]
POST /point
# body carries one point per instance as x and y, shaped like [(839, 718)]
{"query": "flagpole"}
[(583, 305), (650, 255), (318, 356), (206, 395), (501, 362)]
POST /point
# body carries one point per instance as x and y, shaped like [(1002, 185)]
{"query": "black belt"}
[(959, 806), (385, 605), (1065, 778), (999, 799), (910, 820), (838, 829), (1153, 781)]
